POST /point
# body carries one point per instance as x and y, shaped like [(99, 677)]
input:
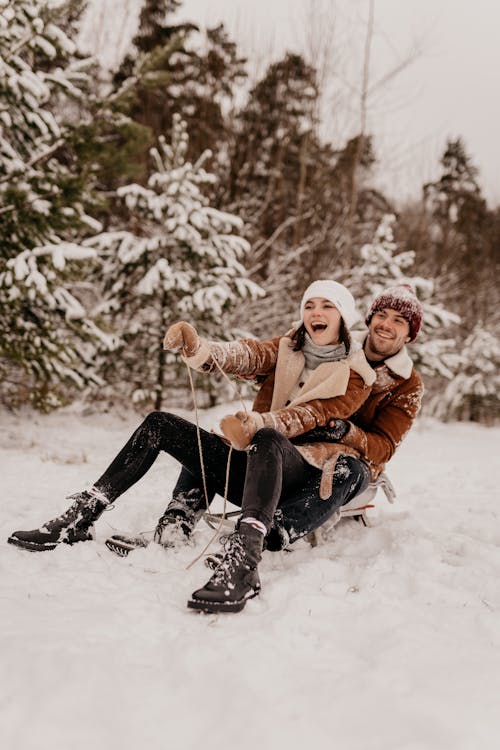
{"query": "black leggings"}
[(271, 473)]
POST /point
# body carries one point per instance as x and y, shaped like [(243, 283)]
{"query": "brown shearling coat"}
[(380, 424), (334, 390)]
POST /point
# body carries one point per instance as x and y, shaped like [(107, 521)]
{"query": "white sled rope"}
[(223, 522)]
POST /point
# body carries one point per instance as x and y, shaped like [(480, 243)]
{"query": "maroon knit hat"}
[(403, 299)]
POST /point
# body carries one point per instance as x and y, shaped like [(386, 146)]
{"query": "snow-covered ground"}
[(386, 638)]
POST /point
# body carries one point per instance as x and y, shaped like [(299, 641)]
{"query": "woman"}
[(310, 376)]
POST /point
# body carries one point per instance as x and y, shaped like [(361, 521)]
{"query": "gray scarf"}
[(315, 355)]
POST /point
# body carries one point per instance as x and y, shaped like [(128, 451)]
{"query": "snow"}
[(381, 638)]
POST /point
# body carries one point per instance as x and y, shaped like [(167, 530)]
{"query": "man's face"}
[(387, 333)]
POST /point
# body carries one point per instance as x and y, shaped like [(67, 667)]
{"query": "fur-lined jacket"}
[(380, 424), (334, 390)]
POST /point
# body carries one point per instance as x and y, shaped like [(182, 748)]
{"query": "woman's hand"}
[(182, 337), (240, 428)]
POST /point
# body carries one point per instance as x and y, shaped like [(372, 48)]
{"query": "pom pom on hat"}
[(336, 293), (403, 299)]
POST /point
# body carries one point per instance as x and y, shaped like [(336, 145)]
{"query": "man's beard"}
[(385, 348)]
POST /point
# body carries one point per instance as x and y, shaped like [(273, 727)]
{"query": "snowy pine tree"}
[(459, 240), (474, 392), (176, 68), (275, 148), (42, 323), (180, 259), (382, 266)]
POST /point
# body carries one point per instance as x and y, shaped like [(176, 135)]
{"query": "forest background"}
[(175, 185)]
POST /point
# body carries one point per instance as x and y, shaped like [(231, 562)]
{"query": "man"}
[(376, 430)]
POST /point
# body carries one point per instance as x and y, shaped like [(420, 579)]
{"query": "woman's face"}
[(322, 321)]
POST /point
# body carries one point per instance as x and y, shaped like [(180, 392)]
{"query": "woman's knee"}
[(158, 418), (154, 426), (268, 437)]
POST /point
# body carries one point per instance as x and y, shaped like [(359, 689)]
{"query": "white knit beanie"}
[(336, 293)]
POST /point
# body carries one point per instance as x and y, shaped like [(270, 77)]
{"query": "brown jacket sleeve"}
[(391, 422), (244, 357), (292, 421)]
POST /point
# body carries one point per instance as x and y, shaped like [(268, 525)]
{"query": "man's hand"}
[(337, 428), (240, 428), (331, 433), (182, 337)]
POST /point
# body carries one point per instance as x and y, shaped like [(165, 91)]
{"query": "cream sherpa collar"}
[(400, 363)]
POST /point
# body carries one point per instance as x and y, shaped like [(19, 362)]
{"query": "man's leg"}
[(303, 511), (177, 522)]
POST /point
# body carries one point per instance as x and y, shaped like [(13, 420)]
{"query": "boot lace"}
[(233, 557), (82, 509)]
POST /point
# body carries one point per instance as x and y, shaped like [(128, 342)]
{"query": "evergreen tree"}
[(382, 266), (474, 392), (273, 145), (180, 258), (42, 323), (176, 68), (459, 233), (293, 191), (154, 31)]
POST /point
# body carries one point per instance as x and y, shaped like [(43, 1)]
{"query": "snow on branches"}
[(473, 393), (181, 258), (46, 334)]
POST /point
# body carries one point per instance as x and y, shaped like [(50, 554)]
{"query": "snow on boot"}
[(173, 529), (122, 544), (169, 532), (277, 538), (236, 578), (72, 526)]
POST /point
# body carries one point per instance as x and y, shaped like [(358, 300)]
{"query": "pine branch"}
[(40, 157), (20, 45)]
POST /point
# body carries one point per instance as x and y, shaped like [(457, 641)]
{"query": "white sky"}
[(451, 89)]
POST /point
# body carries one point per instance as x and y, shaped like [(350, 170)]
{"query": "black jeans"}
[(271, 474), (303, 511), (258, 478)]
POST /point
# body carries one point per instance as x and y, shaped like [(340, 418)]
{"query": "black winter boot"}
[(277, 538), (236, 578), (173, 528), (74, 525), (181, 515)]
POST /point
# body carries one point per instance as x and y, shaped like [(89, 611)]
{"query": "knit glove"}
[(240, 428), (182, 337)]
